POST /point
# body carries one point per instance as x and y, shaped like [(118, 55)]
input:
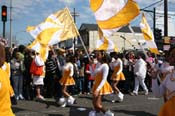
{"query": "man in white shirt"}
[(140, 74)]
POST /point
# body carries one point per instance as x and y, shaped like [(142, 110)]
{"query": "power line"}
[(152, 4)]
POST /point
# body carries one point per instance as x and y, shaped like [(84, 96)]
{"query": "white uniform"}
[(140, 75), (167, 86), (166, 89)]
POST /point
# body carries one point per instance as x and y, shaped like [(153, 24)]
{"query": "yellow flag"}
[(111, 15), (148, 35), (105, 44), (57, 27)]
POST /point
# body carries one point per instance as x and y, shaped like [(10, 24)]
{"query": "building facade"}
[(123, 39)]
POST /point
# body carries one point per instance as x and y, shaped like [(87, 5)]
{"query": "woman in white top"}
[(166, 87), (101, 86), (117, 75), (67, 80)]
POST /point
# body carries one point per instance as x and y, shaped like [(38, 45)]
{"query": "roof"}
[(94, 27), (126, 29), (88, 27)]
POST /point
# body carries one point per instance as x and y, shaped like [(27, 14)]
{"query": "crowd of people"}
[(65, 73)]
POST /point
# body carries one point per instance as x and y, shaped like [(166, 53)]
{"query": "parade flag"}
[(105, 44), (57, 27), (148, 35), (111, 15)]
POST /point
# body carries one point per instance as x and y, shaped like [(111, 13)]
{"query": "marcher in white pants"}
[(140, 75)]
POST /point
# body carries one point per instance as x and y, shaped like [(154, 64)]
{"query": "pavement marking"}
[(81, 109), (130, 105), (153, 98)]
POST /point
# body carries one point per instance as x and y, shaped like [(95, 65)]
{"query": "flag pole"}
[(67, 9), (134, 35), (127, 41), (84, 47)]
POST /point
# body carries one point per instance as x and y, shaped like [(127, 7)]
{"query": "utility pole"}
[(74, 14), (10, 23), (154, 20), (165, 17)]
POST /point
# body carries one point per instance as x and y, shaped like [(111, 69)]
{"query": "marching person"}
[(101, 86), (67, 80), (117, 75), (140, 74), (166, 87), (5, 87)]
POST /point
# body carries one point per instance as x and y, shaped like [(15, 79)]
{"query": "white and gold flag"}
[(148, 35), (111, 15), (105, 44), (57, 27)]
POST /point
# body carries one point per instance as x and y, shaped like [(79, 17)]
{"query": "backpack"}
[(36, 70)]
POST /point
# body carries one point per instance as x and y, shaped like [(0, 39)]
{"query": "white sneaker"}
[(108, 113), (146, 92), (21, 97), (133, 93), (17, 97), (92, 113), (63, 105), (62, 102), (70, 100), (121, 96), (113, 101)]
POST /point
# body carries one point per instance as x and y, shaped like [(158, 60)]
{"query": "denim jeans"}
[(17, 82), (80, 82), (90, 84)]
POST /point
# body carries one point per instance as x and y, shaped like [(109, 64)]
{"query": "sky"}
[(33, 12)]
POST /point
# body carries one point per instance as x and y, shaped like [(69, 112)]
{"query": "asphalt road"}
[(140, 105)]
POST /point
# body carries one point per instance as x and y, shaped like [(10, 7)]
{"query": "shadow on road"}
[(76, 111), (16, 110), (104, 98), (55, 115), (48, 103), (134, 113)]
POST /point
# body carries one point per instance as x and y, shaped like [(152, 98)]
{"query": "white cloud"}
[(67, 2)]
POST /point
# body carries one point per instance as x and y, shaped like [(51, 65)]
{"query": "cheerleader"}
[(117, 75), (67, 80), (166, 87), (5, 87), (6, 68), (101, 86)]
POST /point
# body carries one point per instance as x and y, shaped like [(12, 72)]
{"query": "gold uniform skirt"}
[(66, 79), (106, 89)]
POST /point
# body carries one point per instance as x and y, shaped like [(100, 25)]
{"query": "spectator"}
[(38, 80), (51, 70), (17, 75), (167, 86)]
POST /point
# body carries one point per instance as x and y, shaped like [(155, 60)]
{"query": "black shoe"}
[(13, 100)]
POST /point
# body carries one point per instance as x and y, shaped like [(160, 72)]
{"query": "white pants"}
[(139, 81)]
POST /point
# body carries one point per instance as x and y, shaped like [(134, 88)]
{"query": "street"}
[(140, 105)]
